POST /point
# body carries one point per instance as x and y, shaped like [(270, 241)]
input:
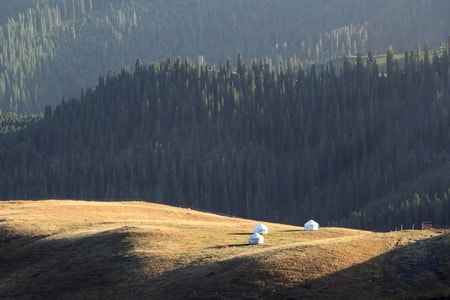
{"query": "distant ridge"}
[(52, 49)]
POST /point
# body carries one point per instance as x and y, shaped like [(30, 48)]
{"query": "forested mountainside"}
[(51, 49), (262, 140)]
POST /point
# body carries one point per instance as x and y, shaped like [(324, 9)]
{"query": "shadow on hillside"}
[(230, 279), (228, 246), (47, 268), (418, 269), (100, 266)]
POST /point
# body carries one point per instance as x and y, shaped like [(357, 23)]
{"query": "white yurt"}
[(256, 239), (311, 225), (261, 229)]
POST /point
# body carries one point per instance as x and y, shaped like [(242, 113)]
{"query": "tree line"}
[(50, 49), (348, 146)]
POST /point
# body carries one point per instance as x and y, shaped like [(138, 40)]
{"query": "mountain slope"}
[(51, 49), (59, 249), (260, 141)]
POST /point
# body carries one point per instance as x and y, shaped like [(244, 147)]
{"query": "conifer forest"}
[(352, 136)]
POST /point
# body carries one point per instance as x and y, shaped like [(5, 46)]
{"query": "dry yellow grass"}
[(79, 249)]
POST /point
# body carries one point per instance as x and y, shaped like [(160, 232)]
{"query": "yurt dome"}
[(256, 239), (311, 225), (261, 229)]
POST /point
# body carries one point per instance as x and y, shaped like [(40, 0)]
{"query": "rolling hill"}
[(66, 249)]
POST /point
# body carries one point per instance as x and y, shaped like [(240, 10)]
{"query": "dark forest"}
[(350, 146), (51, 49)]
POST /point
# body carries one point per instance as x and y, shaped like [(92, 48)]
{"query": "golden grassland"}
[(81, 249)]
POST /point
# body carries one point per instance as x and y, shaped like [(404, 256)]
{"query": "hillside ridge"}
[(63, 249), (52, 49), (260, 141)]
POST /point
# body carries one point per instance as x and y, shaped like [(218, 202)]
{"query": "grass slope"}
[(77, 249)]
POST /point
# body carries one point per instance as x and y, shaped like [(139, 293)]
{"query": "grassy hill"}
[(67, 249)]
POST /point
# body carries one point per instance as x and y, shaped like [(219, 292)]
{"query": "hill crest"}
[(122, 249)]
